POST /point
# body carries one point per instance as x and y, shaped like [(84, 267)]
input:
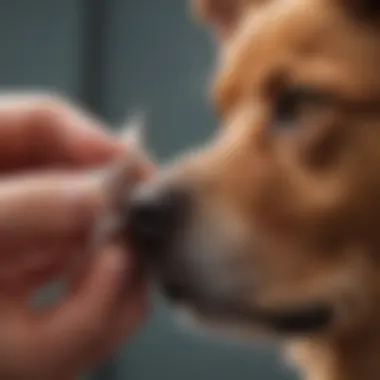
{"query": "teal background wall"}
[(116, 56)]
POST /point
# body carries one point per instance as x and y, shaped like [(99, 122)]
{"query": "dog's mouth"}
[(302, 319), (305, 319), (296, 320)]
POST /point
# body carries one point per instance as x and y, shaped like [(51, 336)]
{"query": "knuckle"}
[(49, 101)]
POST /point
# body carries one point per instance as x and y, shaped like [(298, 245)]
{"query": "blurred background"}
[(115, 57)]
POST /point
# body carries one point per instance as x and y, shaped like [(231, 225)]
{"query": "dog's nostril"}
[(154, 215), (149, 220), (175, 291)]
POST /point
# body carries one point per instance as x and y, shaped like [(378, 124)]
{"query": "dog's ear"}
[(223, 15), (366, 10)]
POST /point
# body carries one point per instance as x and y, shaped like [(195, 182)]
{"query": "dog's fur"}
[(285, 202)]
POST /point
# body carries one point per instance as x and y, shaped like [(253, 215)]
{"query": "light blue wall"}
[(40, 44)]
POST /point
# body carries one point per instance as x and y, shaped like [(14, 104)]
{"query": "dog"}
[(273, 227)]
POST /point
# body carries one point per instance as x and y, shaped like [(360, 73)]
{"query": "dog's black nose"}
[(154, 216)]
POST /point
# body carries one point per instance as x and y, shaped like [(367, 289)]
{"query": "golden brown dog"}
[(274, 227)]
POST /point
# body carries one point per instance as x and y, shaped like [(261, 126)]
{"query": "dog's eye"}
[(292, 103)]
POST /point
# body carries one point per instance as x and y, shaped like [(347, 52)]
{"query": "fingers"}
[(82, 329), (51, 207), (43, 130), (55, 344), (45, 222), (28, 270), (52, 211), (41, 216)]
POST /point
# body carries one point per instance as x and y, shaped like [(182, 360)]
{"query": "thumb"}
[(48, 206)]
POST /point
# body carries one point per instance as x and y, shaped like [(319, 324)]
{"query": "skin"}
[(47, 207)]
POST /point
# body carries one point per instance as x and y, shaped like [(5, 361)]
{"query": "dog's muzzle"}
[(156, 219)]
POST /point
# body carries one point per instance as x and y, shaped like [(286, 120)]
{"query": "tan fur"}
[(303, 199), (314, 210)]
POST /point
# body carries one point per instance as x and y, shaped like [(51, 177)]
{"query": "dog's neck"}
[(356, 357)]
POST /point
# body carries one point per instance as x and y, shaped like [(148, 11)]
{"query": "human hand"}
[(47, 206)]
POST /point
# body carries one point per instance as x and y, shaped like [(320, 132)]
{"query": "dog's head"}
[(277, 222)]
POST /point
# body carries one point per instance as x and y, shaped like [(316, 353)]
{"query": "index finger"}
[(42, 130)]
